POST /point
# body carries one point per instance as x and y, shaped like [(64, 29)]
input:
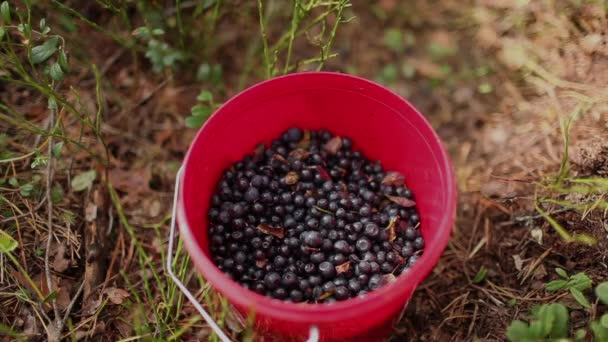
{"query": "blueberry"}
[(327, 269)]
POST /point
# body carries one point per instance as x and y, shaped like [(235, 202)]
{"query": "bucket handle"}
[(314, 331)]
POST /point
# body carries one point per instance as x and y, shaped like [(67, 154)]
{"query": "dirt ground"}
[(497, 79)]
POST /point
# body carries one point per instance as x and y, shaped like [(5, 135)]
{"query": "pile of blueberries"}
[(309, 219)]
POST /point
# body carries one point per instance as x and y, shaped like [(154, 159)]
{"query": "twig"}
[(71, 305), (49, 203), (521, 219)]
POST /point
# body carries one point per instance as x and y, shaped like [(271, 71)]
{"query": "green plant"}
[(161, 54), (549, 321), (201, 112), (576, 284)]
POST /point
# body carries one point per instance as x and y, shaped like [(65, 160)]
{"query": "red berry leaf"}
[(343, 267), (299, 154), (324, 174), (333, 145), (278, 232), (393, 178), (291, 178), (392, 234), (402, 201)]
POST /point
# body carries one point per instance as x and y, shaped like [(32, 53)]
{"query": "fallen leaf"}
[(305, 141), (299, 154), (537, 235), (132, 181), (498, 189), (280, 158), (519, 263), (388, 278), (90, 212), (60, 262), (278, 232), (258, 153), (343, 267), (402, 201), (291, 178), (393, 178), (83, 180), (333, 145), (115, 295), (392, 235), (154, 209), (326, 294)]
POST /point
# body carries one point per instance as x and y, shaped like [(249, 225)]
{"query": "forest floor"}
[(516, 89)]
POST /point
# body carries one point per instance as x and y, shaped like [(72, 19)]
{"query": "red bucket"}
[(384, 127)]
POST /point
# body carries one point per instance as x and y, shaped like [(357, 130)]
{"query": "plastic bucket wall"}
[(383, 126)]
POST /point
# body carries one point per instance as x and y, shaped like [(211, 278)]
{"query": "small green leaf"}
[(555, 285), (13, 182), (6, 11), (580, 281), (42, 24), (601, 291), (55, 72), (604, 320), (26, 190), (481, 275), (84, 180), (43, 52), (57, 193), (56, 149), (518, 331), (50, 297), (63, 61), (201, 110), (580, 298), (560, 322), (561, 272), (158, 32), (7, 243), (580, 334), (52, 104), (205, 96), (393, 39), (2, 32), (544, 325), (194, 121), (599, 332)]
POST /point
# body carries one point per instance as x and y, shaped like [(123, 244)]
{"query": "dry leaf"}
[(291, 178), (402, 201), (305, 141), (90, 212), (60, 262), (299, 154), (343, 267), (519, 263), (326, 295), (115, 295), (392, 235), (393, 178), (388, 278), (278, 232), (333, 145), (131, 181), (280, 158)]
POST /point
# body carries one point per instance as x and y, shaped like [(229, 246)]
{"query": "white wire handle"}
[(314, 331)]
